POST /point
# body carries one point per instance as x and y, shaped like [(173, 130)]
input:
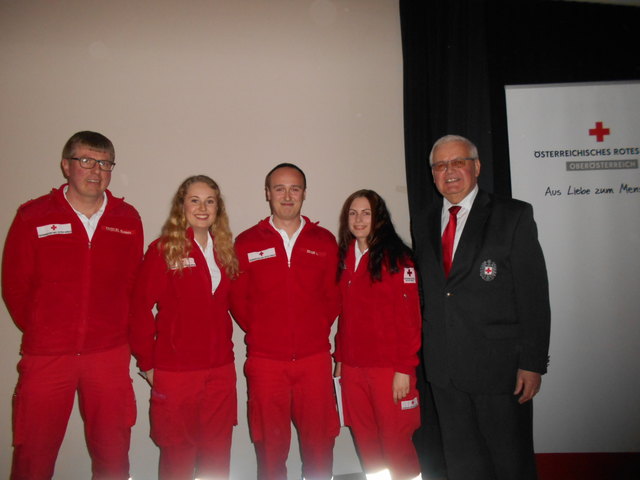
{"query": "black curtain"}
[(446, 79), (458, 56)]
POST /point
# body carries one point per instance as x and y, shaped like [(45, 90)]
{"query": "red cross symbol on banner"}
[(599, 132), (410, 272), (53, 227)]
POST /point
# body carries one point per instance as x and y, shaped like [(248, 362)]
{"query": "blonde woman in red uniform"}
[(185, 350), (378, 339)]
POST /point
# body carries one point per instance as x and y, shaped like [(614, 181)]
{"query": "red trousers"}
[(300, 391), (192, 419), (43, 401), (382, 429)]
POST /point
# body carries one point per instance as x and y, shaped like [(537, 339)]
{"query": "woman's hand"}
[(401, 385), (149, 377)]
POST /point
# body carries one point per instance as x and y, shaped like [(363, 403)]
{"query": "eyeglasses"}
[(89, 163), (456, 163)]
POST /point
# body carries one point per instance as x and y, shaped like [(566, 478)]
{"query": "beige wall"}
[(224, 88)]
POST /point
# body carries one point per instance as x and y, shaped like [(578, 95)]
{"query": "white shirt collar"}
[(283, 232), (288, 242), (359, 255), (466, 203), (461, 217), (90, 223), (214, 270)]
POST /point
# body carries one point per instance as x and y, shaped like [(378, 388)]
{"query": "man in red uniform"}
[(68, 266), (286, 299)]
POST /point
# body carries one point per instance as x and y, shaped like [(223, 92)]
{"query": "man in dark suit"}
[(486, 318)]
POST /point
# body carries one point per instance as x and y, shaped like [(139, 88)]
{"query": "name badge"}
[(186, 263), (409, 275), (262, 254), (409, 404), (54, 229), (117, 230)]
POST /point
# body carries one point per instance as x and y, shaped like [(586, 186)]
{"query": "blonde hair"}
[(174, 243)]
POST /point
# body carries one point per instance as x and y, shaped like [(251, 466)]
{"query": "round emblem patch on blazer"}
[(488, 270)]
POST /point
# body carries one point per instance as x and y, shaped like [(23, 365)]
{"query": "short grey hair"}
[(473, 150)]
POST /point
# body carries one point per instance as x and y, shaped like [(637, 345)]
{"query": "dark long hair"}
[(386, 248)]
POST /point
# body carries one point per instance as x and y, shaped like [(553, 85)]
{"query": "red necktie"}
[(448, 237)]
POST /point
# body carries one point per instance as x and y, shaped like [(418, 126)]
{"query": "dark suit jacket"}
[(491, 316)]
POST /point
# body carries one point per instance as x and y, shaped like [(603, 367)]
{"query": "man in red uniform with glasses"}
[(68, 267)]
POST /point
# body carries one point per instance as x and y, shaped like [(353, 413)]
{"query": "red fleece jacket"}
[(192, 329), (380, 323), (68, 294), (286, 310)]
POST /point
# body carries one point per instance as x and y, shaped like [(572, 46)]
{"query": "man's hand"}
[(401, 385), (527, 385)]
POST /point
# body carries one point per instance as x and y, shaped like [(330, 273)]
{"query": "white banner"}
[(575, 150)]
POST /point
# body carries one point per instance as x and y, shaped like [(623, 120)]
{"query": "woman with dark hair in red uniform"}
[(185, 350), (378, 338)]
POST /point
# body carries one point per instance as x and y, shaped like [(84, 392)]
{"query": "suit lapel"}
[(471, 239), (433, 228)]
